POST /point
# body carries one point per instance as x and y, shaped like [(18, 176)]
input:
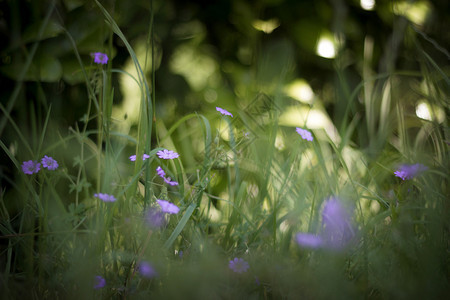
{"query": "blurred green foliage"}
[(230, 59)]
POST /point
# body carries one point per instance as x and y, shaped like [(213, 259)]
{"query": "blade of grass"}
[(180, 226), (146, 113), (16, 128), (44, 130)]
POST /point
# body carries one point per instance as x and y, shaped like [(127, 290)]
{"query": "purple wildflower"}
[(100, 282), (167, 154), (147, 270), (336, 224), (224, 112), (49, 163), (169, 181), (238, 265), (337, 228), (305, 134), (160, 172), (30, 167), (257, 280), (105, 197), (168, 207), (100, 58), (144, 157), (406, 171), (308, 240), (155, 218)]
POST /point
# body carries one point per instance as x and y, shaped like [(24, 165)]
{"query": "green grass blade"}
[(176, 232)]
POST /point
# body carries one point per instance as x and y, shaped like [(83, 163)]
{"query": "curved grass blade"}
[(180, 225)]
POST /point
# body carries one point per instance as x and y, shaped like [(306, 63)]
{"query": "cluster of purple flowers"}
[(162, 174), (337, 228), (406, 171), (105, 197), (164, 154), (31, 166)]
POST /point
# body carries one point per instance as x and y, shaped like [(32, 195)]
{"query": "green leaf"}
[(44, 68), (31, 34), (72, 4)]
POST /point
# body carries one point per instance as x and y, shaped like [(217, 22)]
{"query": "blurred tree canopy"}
[(208, 52)]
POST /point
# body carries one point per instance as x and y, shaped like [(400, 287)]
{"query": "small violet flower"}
[(168, 207), (336, 224), (30, 167), (406, 171), (167, 154), (49, 163), (337, 229), (155, 218), (224, 112), (144, 157), (162, 174), (105, 197), (169, 181), (100, 58), (238, 265), (147, 270), (100, 282), (257, 282), (305, 134)]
